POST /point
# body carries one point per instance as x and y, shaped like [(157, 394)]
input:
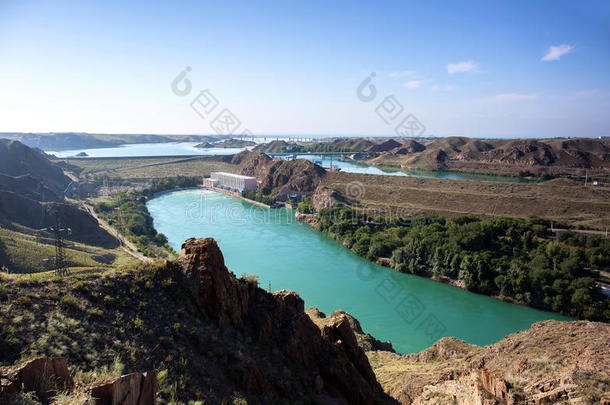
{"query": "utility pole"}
[(60, 266), (586, 177)]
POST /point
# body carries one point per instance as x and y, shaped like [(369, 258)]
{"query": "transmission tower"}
[(60, 266), (60, 257)]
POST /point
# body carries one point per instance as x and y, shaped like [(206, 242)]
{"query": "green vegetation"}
[(257, 195), (513, 258), (22, 253), (305, 207), (131, 320), (127, 213)]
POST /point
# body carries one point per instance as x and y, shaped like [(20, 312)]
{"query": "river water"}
[(148, 150), (351, 166), (412, 312), (346, 165)]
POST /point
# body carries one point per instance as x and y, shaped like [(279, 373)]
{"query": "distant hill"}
[(16, 159), (32, 198), (502, 155), (75, 140), (334, 145), (278, 146)]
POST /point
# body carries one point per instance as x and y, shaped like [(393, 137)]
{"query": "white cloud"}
[(510, 97), (557, 51), (412, 84), (402, 73), (441, 87), (467, 66)]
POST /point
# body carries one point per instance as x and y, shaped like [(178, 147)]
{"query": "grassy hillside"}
[(23, 253), (209, 336)]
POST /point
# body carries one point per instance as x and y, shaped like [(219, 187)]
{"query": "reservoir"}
[(352, 166), (412, 312), (345, 165), (147, 150)]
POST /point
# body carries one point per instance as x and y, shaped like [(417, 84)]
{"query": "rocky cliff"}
[(278, 177), (551, 363), (217, 337)]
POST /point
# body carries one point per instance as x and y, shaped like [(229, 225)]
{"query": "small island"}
[(204, 145), (227, 143)]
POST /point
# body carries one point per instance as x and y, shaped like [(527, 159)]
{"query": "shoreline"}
[(311, 220), (160, 193), (220, 191)]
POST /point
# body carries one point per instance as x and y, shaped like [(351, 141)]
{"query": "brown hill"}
[(31, 199), (550, 363), (213, 337), (28, 186), (410, 146), (278, 177), (16, 159), (568, 156), (277, 146), (385, 146)]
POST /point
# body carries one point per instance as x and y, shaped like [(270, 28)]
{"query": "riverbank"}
[(513, 259), (286, 254), (236, 195)]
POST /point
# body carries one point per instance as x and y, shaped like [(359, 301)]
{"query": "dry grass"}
[(561, 200), (152, 167)]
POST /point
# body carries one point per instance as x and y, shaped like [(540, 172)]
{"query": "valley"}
[(138, 228)]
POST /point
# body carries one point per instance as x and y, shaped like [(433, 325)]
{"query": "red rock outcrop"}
[(216, 290), (278, 177), (365, 340), (130, 389), (45, 376), (325, 197), (330, 365)]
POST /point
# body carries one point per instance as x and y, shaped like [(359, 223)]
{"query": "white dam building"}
[(230, 181)]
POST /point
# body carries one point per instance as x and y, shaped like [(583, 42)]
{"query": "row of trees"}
[(507, 257), (257, 195), (128, 213)]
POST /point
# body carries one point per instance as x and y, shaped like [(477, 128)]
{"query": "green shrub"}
[(69, 301)]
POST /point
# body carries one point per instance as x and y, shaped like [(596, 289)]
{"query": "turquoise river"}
[(410, 311)]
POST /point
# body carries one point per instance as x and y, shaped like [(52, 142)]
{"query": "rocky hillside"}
[(550, 363), (550, 156), (278, 177), (334, 145), (211, 336), (17, 160), (78, 140), (32, 198)]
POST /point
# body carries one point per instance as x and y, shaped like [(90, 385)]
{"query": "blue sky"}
[(472, 68)]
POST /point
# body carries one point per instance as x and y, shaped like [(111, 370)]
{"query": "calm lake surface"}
[(346, 165), (351, 166), (411, 311), (149, 149)]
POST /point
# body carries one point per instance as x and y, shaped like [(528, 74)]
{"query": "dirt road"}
[(125, 244)]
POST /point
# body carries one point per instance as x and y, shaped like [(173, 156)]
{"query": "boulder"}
[(45, 376), (130, 389)]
